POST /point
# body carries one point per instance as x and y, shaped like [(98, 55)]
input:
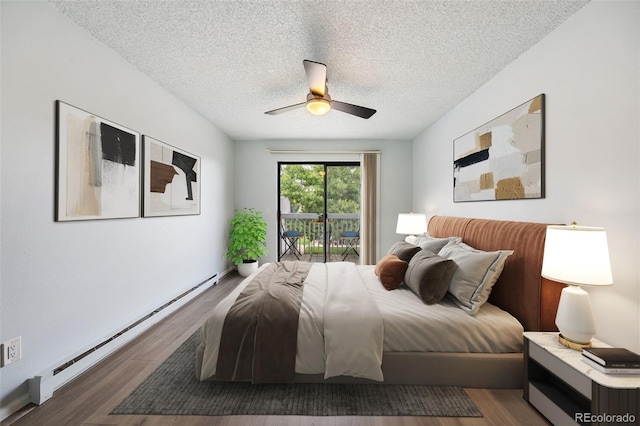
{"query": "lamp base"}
[(574, 318), (576, 346)]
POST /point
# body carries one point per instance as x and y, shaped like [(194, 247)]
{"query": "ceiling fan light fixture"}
[(318, 106)]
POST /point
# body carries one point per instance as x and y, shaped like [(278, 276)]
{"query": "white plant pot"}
[(246, 269)]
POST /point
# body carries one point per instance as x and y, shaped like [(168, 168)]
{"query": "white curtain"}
[(369, 220)]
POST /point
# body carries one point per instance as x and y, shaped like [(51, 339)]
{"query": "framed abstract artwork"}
[(97, 167), (502, 159), (171, 180)]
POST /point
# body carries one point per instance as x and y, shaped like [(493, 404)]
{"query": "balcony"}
[(313, 243)]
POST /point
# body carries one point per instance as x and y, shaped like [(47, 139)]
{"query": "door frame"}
[(325, 188)]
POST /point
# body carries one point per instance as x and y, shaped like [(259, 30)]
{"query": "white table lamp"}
[(411, 224), (576, 255)]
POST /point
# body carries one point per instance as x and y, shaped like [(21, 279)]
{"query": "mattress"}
[(409, 324)]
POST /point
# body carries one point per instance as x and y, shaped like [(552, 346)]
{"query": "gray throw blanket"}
[(260, 332)]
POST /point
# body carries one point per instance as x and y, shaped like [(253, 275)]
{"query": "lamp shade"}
[(411, 223), (577, 255)]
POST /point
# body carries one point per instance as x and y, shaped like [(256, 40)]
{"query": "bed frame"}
[(520, 290)]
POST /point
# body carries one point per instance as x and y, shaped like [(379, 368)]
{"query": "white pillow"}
[(476, 274)]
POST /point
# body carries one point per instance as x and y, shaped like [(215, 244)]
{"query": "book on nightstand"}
[(612, 357), (610, 370), (612, 360)]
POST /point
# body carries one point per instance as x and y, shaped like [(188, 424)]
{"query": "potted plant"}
[(247, 240)]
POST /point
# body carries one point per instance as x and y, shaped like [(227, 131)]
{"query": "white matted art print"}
[(504, 158), (97, 167), (171, 180)]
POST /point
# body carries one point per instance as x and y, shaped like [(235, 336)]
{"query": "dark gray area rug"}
[(172, 389)]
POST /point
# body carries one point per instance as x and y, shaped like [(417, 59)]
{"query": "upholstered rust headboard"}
[(520, 290)]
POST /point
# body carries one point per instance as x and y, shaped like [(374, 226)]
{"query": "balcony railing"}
[(312, 243)]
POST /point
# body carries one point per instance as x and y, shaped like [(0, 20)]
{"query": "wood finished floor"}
[(89, 399)]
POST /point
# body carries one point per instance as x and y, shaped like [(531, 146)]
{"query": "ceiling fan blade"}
[(353, 109), (317, 76), (285, 109)]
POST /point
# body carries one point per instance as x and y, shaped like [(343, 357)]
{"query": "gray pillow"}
[(429, 275), (404, 250), (476, 274), (434, 244)]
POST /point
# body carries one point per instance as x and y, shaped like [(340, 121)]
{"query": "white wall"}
[(256, 177), (65, 285), (589, 70)]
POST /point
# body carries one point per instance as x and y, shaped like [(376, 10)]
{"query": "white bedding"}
[(408, 325), (412, 326)]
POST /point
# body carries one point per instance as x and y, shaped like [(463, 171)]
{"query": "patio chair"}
[(351, 239), (290, 239)]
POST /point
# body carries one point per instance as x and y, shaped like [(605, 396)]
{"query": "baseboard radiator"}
[(43, 385)]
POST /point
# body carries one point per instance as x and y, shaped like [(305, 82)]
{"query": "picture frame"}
[(171, 180), (97, 167), (504, 158)]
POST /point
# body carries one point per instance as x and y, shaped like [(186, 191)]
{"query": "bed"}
[(410, 342)]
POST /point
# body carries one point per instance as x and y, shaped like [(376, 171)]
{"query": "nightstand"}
[(568, 392)]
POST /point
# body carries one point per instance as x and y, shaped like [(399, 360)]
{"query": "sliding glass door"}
[(319, 211)]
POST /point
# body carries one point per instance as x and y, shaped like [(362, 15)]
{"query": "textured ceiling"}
[(233, 60)]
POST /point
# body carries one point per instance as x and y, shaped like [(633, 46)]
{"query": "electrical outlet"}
[(11, 351)]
